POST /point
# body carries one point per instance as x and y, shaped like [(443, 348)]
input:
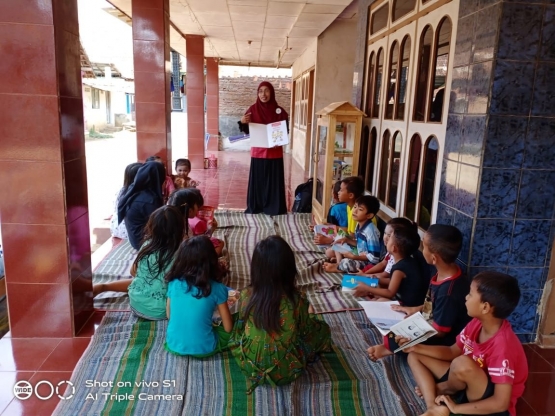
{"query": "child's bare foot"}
[(436, 411), (378, 351), (418, 392), (330, 267)]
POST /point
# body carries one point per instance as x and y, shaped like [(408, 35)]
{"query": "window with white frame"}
[(406, 85), (302, 91)]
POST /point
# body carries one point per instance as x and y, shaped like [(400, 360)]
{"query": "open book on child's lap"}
[(392, 323), (350, 282)]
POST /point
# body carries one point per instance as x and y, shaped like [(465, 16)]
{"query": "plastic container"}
[(212, 162)]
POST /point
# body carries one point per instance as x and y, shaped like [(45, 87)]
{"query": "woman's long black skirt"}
[(266, 191)]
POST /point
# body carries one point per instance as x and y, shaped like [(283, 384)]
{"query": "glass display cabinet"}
[(336, 152)]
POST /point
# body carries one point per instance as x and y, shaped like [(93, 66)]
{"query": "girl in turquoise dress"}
[(274, 336), (147, 289)]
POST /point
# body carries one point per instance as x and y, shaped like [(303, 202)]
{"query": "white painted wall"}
[(97, 116), (335, 63), (333, 56), (303, 63), (306, 61)]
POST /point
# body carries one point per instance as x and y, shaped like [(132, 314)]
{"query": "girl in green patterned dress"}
[(274, 336)]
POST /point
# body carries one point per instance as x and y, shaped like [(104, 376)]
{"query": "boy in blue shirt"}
[(366, 239), (349, 190)]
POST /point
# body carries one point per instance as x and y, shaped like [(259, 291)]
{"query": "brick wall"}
[(239, 93)]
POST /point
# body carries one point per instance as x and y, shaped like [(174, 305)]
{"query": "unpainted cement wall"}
[(237, 94)]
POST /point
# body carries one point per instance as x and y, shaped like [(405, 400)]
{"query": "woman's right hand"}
[(246, 119)]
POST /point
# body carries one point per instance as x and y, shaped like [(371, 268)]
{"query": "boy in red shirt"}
[(484, 372)]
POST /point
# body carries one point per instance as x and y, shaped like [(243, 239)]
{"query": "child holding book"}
[(366, 239), (189, 201), (275, 337), (485, 370), (407, 284), (182, 170), (350, 189), (444, 306), (194, 291), (203, 227)]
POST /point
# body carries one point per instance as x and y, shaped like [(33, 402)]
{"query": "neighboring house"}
[(108, 98)]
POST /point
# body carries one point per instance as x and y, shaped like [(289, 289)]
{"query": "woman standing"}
[(266, 191)]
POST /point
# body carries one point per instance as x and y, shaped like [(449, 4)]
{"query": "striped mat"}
[(241, 232), (312, 279), (126, 358), (114, 267)]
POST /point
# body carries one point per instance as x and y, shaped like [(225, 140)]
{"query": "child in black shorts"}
[(485, 370)]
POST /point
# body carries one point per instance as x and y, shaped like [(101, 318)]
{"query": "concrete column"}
[(44, 207), (212, 102), (151, 60), (194, 46)]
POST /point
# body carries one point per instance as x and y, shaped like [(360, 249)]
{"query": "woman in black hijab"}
[(142, 198)]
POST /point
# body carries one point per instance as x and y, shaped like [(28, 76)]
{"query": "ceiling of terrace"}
[(251, 32)]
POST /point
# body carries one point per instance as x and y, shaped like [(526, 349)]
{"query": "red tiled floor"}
[(91, 325), (66, 355), (226, 186), (34, 406), (7, 381), (538, 398), (548, 354), (25, 354)]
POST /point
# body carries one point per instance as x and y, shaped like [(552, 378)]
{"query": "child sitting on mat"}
[(274, 336), (167, 187), (366, 239), (194, 291), (382, 270), (350, 189), (182, 180), (147, 290), (444, 306), (408, 283), (485, 370), (189, 201), (119, 230)]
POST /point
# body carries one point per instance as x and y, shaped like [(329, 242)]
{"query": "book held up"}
[(269, 135)]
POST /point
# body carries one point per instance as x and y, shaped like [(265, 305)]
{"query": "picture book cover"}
[(206, 213), (350, 281), (269, 135), (327, 230)]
